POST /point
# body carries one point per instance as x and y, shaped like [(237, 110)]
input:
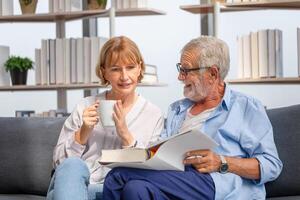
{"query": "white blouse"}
[(144, 121)]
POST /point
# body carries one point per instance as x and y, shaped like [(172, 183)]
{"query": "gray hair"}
[(210, 51)]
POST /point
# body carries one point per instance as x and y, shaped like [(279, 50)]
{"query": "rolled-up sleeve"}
[(258, 141), (67, 145)]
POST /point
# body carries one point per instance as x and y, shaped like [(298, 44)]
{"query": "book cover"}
[(271, 53), (7, 7), (79, 60), (247, 56), (167, 154), (4, 76), (263, 53), (278, 53), (95, 52), (67, 60), (37, 62), (87, 59), (240, 58), (254, 55), (298, 46), (52, 61)]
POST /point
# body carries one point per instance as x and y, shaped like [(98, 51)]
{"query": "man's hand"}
[(205, 161)]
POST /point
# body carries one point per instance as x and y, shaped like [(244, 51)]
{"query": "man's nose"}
[(181, 76)]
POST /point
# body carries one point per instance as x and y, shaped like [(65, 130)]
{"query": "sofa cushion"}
[(286, 126), (20, 197), (285, 198), (27, 147)]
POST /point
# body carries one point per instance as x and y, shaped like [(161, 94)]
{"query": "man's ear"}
[(214, 72)]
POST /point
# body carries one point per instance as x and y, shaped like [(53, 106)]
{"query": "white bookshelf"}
[(60, 19), (218, 8)]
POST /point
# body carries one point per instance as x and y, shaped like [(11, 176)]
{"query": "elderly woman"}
[(78, 175)]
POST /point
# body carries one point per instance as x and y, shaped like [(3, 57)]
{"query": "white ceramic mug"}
[(106, 110)]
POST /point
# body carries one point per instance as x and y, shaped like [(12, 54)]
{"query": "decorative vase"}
[(96, 4), (18, 77), (28, 6)]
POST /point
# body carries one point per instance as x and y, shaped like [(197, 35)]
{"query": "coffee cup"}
[(106, 110)]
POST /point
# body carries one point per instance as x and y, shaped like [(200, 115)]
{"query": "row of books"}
[(68, 60), (49, 113), (6, 7), (73, 61), (64, 5), (260, 54), (125, 4)]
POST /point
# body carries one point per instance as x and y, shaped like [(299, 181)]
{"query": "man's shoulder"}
[(237, 97)]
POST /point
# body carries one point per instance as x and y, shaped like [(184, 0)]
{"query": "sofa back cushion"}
[(26, 149), (286, 126)]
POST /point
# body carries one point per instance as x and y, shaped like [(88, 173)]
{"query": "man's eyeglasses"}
[(185, 71)]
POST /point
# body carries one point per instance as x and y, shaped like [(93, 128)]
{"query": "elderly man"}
[(246, 157)]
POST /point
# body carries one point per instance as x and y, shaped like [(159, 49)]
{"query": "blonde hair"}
[(115, 49)]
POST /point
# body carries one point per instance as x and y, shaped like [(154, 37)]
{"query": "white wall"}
[(160, 39)]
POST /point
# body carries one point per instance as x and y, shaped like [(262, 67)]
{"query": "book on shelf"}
[(79, 60), (247, 56), (73, 60), (240, 58), (271, 53), (7, 7), (52, 61), (87, 59), (37, 63), (4, 76), (67, 64), (298, 50), (0, 7), (263, 53), (167, 154), (95, 51), (254, 54), (278, 53), (59, 61)]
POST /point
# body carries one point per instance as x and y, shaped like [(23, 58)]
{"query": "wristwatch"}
[(224, 165)]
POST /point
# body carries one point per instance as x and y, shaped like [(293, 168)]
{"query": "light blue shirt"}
[(242, 128)]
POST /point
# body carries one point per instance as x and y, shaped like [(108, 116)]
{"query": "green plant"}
[(27, 2), (19, 63), (101, 2)]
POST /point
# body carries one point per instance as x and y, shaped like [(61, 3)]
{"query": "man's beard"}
[(198, 91)]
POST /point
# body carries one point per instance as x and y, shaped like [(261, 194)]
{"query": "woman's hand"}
[(90, 118), (121, 126)]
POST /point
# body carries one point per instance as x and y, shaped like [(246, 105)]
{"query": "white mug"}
[(106, 110)]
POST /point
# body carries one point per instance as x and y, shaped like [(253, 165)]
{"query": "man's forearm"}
[(244, 167)]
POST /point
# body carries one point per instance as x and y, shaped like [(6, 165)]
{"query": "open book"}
[(167, 154)]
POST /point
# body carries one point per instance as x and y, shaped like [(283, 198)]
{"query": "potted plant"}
[(18, 67), (96, 4), (28, 6)]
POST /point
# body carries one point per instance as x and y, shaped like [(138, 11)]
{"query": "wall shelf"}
[(247, 6), (287, 80), (69, 16)]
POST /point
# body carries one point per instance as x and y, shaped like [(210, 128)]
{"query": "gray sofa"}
[(26, 146)]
